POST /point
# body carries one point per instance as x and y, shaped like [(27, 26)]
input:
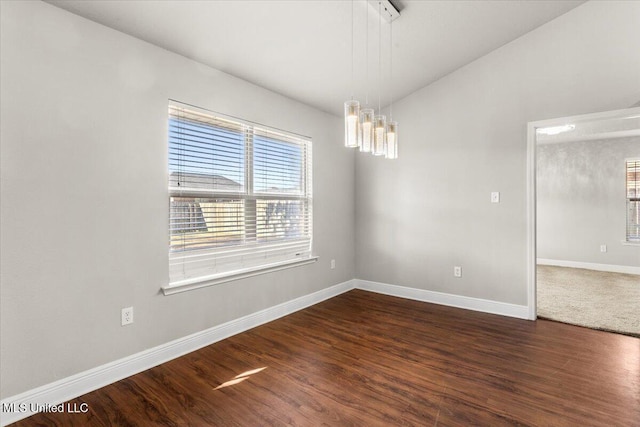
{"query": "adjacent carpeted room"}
[(594, 299)]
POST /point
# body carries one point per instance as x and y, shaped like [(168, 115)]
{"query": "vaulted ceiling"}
[(303, 49)]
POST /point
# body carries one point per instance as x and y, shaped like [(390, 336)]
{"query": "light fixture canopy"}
[(388, 10)]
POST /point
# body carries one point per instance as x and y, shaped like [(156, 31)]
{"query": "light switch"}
[(495, 197)]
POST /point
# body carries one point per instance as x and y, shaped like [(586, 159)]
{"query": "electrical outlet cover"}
[(457, 271), (127, 316)]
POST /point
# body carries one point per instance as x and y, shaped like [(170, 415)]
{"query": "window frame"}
[(280, 255)]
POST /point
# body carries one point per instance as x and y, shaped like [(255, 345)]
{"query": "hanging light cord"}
[(352, 60), (379, 55), (366, 62), (391, 70)]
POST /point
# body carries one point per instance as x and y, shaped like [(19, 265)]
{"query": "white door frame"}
[(531, 188)]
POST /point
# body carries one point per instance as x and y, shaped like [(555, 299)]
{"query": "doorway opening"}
[(583, 216)]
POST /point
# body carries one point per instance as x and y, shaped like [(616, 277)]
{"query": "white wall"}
[(581, 201), (465, 136), (84, 195)]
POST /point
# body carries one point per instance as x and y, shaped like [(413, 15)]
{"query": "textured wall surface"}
[(581, 201)]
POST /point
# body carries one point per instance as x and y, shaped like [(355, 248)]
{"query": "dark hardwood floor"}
[(364, 359)]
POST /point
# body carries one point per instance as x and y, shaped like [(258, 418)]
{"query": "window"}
[(239, 196), (633, 200)]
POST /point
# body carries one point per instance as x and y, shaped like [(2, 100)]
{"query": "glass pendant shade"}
[(379, 135), (392, 140), (366, 130), (351, 123)]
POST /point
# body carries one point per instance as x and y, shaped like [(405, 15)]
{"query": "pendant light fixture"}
[(367, 113), (366, 129), (392, 126), (363, 127), (380, 120), (351, 107), (351, 123), (392, 140)]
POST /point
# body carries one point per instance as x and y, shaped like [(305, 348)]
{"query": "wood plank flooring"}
[(364, 359)]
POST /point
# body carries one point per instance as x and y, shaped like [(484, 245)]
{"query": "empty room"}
[(314, 212)]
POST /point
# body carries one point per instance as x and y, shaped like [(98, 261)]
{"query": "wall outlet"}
[(603, 248), (495, 197), (457, 271), (127, 316), (333, 264)]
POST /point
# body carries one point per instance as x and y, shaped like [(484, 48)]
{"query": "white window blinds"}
[(633, 200), (239, 195)]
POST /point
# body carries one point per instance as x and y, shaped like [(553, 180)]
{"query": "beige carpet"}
[(595, 299)]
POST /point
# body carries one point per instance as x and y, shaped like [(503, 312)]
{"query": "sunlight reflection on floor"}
[(239, 378)]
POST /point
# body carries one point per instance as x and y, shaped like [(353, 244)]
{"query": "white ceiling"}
[(302, 49)]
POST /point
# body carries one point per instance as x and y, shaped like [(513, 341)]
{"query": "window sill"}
[(216, 279), (628, 243)]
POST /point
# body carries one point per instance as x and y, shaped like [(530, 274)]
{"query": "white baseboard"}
[(469, 303), (87, 381), (612, 268)]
